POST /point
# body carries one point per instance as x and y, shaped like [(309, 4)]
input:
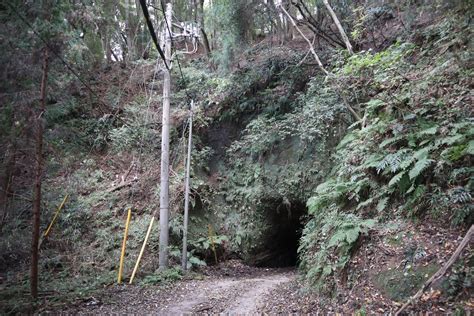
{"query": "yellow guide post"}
[(211, 239), (125, 234), (46, 233), (142, 250)]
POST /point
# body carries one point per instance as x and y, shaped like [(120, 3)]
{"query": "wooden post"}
[(211, 239), (184, 257), (38, 174), (124, 244), (165, 146)]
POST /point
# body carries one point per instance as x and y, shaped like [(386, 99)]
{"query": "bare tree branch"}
[(339, 26), (311, 48)]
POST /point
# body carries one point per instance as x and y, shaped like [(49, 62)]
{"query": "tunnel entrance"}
[(281, 241)]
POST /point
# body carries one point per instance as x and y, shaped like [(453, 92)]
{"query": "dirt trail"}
[(239, 296), (231, 288)]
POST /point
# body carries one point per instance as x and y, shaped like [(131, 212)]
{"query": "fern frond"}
[(346, 140), (450, 140), (382, 204), (392, 161), (422, 153), (429, 131), (391, 140), (372, 161), (407, 162), (460, 195), (365, 203), (419, 167), (396, 178), (470, 148)]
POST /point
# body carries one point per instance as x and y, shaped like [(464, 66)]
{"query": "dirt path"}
[(231, 288), (230, 296)]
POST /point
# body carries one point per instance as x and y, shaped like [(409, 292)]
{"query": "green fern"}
[(449, 140), (365, 203), (327, 244), (470, 148), (382, 204), (419, 167), (429, 131), (390, 141), (396, 178), (393, 161)]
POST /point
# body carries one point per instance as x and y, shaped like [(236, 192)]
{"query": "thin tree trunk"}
[(38, 174), (339, 26), (205, 42), (138, 32), (6, 183), (106, 46), (6, 178)]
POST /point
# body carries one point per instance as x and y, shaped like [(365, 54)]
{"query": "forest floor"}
[(385, 278)]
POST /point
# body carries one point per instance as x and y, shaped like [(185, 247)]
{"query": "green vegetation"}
[(409, 158), (279, 153)]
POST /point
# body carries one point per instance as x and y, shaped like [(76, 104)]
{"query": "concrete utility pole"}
[(165, 147), (184, 257)]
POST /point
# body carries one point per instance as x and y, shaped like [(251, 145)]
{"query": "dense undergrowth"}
[(409, 157)]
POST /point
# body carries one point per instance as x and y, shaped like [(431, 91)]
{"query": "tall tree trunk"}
[(139, 32), (38, 174), (277, 20), (130, 26), (109, 12), (200, 14)]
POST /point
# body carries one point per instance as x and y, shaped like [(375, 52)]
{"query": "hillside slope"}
[(284, 174)]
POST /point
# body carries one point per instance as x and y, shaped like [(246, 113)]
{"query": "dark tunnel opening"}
[(283, 235)]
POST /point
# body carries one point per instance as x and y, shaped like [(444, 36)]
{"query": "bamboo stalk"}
[(142, 250), (124, 244)]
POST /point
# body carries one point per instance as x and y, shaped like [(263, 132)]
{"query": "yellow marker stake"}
[(46, 233), (211, 238), (142, 250), (119, 280)]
